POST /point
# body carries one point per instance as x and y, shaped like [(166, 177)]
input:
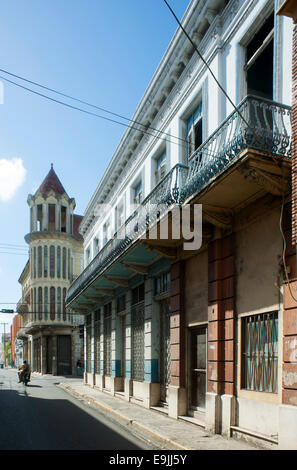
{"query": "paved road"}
[(42, 416)]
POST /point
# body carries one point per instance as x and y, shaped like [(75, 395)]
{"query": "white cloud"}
[(12, 176)]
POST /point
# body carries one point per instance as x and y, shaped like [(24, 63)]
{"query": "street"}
[(42, 416)]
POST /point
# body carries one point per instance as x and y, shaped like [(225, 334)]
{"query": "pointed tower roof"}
[(51, 183)]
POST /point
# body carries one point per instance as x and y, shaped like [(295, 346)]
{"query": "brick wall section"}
[(294, 137), (289, 366), (177, 325), (221, 316)]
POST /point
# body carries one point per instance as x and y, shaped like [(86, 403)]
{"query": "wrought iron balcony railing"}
[(258, 124)]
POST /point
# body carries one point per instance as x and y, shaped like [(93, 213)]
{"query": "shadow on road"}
[(32, 423)]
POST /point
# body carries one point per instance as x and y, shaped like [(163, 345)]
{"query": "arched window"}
[(39, 257), (52, 261), (59, 303), (34, 304), (45, 261), (52, 303), (45, 308), (64, 304), (34, 261), (59, 262), (40, 302), (64, 263), (69, 264)]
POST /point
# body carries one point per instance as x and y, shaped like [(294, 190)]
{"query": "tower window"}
[(52, 217), (63, 218)]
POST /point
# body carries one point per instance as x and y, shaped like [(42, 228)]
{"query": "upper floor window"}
[(195, 130), (120, 215), (95, 246), (259, 61), (160, 167), (106, 232), (52, 217), (162, 284), (138, 294), (63, 218), (88, 255), (137, 196), (39, 217)]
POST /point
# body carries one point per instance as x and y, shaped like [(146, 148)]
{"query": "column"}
[(43, 354), (151, 336), (177, 393), (221, 335), (58, 217), (44, 217), (128, 381), (288, 368), (93, 348), (116, 342)]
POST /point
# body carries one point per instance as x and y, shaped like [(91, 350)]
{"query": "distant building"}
[(15, 343), (50, 333)]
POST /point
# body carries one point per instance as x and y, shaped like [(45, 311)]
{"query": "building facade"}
[(50, 334), (16, 344), (191, 325)]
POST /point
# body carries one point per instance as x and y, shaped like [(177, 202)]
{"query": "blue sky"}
[(101, 51)]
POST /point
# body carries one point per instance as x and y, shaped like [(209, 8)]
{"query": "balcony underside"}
[(253, 179), (34, 328)]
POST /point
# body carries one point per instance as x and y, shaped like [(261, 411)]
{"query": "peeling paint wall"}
[(196, 288)]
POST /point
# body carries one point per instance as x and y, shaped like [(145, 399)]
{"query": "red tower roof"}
[(51, 183)]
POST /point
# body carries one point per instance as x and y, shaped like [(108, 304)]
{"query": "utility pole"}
[(4, 344)]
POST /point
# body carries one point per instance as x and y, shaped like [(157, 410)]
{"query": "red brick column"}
[(294, 137), (177, 326), (221, 316), (289, 368)]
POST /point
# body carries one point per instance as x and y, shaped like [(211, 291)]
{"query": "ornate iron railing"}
[(258, 124)]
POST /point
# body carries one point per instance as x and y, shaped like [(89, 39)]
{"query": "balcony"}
[(258, 125)]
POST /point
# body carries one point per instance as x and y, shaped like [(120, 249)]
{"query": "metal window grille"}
[(138, 341), (260, 352)]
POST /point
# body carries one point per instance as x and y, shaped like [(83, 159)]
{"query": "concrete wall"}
[(196, 289)]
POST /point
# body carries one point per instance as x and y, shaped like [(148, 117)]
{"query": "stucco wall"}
[(258, 257), (196, 288)]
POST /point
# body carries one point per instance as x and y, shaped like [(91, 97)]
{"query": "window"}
[(259, 61), (162, 284), (39, 257), (260, 352), (88, 255), (63, 218), (106, 232), (34, 261), (52, 303), (160, 165), (39, 303), (58, 262), (107, 339), (59, 303), (120, 216), (97, 342), (64, 263), (64, 304), (138, 193), (138, 294), (195, 130), (69, 264), (52, 261), (45, 261), (95, 246), (39, 217), (52, 217), (45, 302)]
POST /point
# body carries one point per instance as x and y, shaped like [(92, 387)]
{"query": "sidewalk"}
[(175, 434)]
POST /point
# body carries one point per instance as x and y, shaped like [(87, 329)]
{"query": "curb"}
[(124, 418)]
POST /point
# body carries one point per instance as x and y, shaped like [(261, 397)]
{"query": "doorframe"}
[(191, 328)]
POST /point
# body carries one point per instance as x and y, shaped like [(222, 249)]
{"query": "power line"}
[(89, 104), (98, 115)]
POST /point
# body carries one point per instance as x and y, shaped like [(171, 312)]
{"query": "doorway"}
[(198, 366), (64, 366)]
